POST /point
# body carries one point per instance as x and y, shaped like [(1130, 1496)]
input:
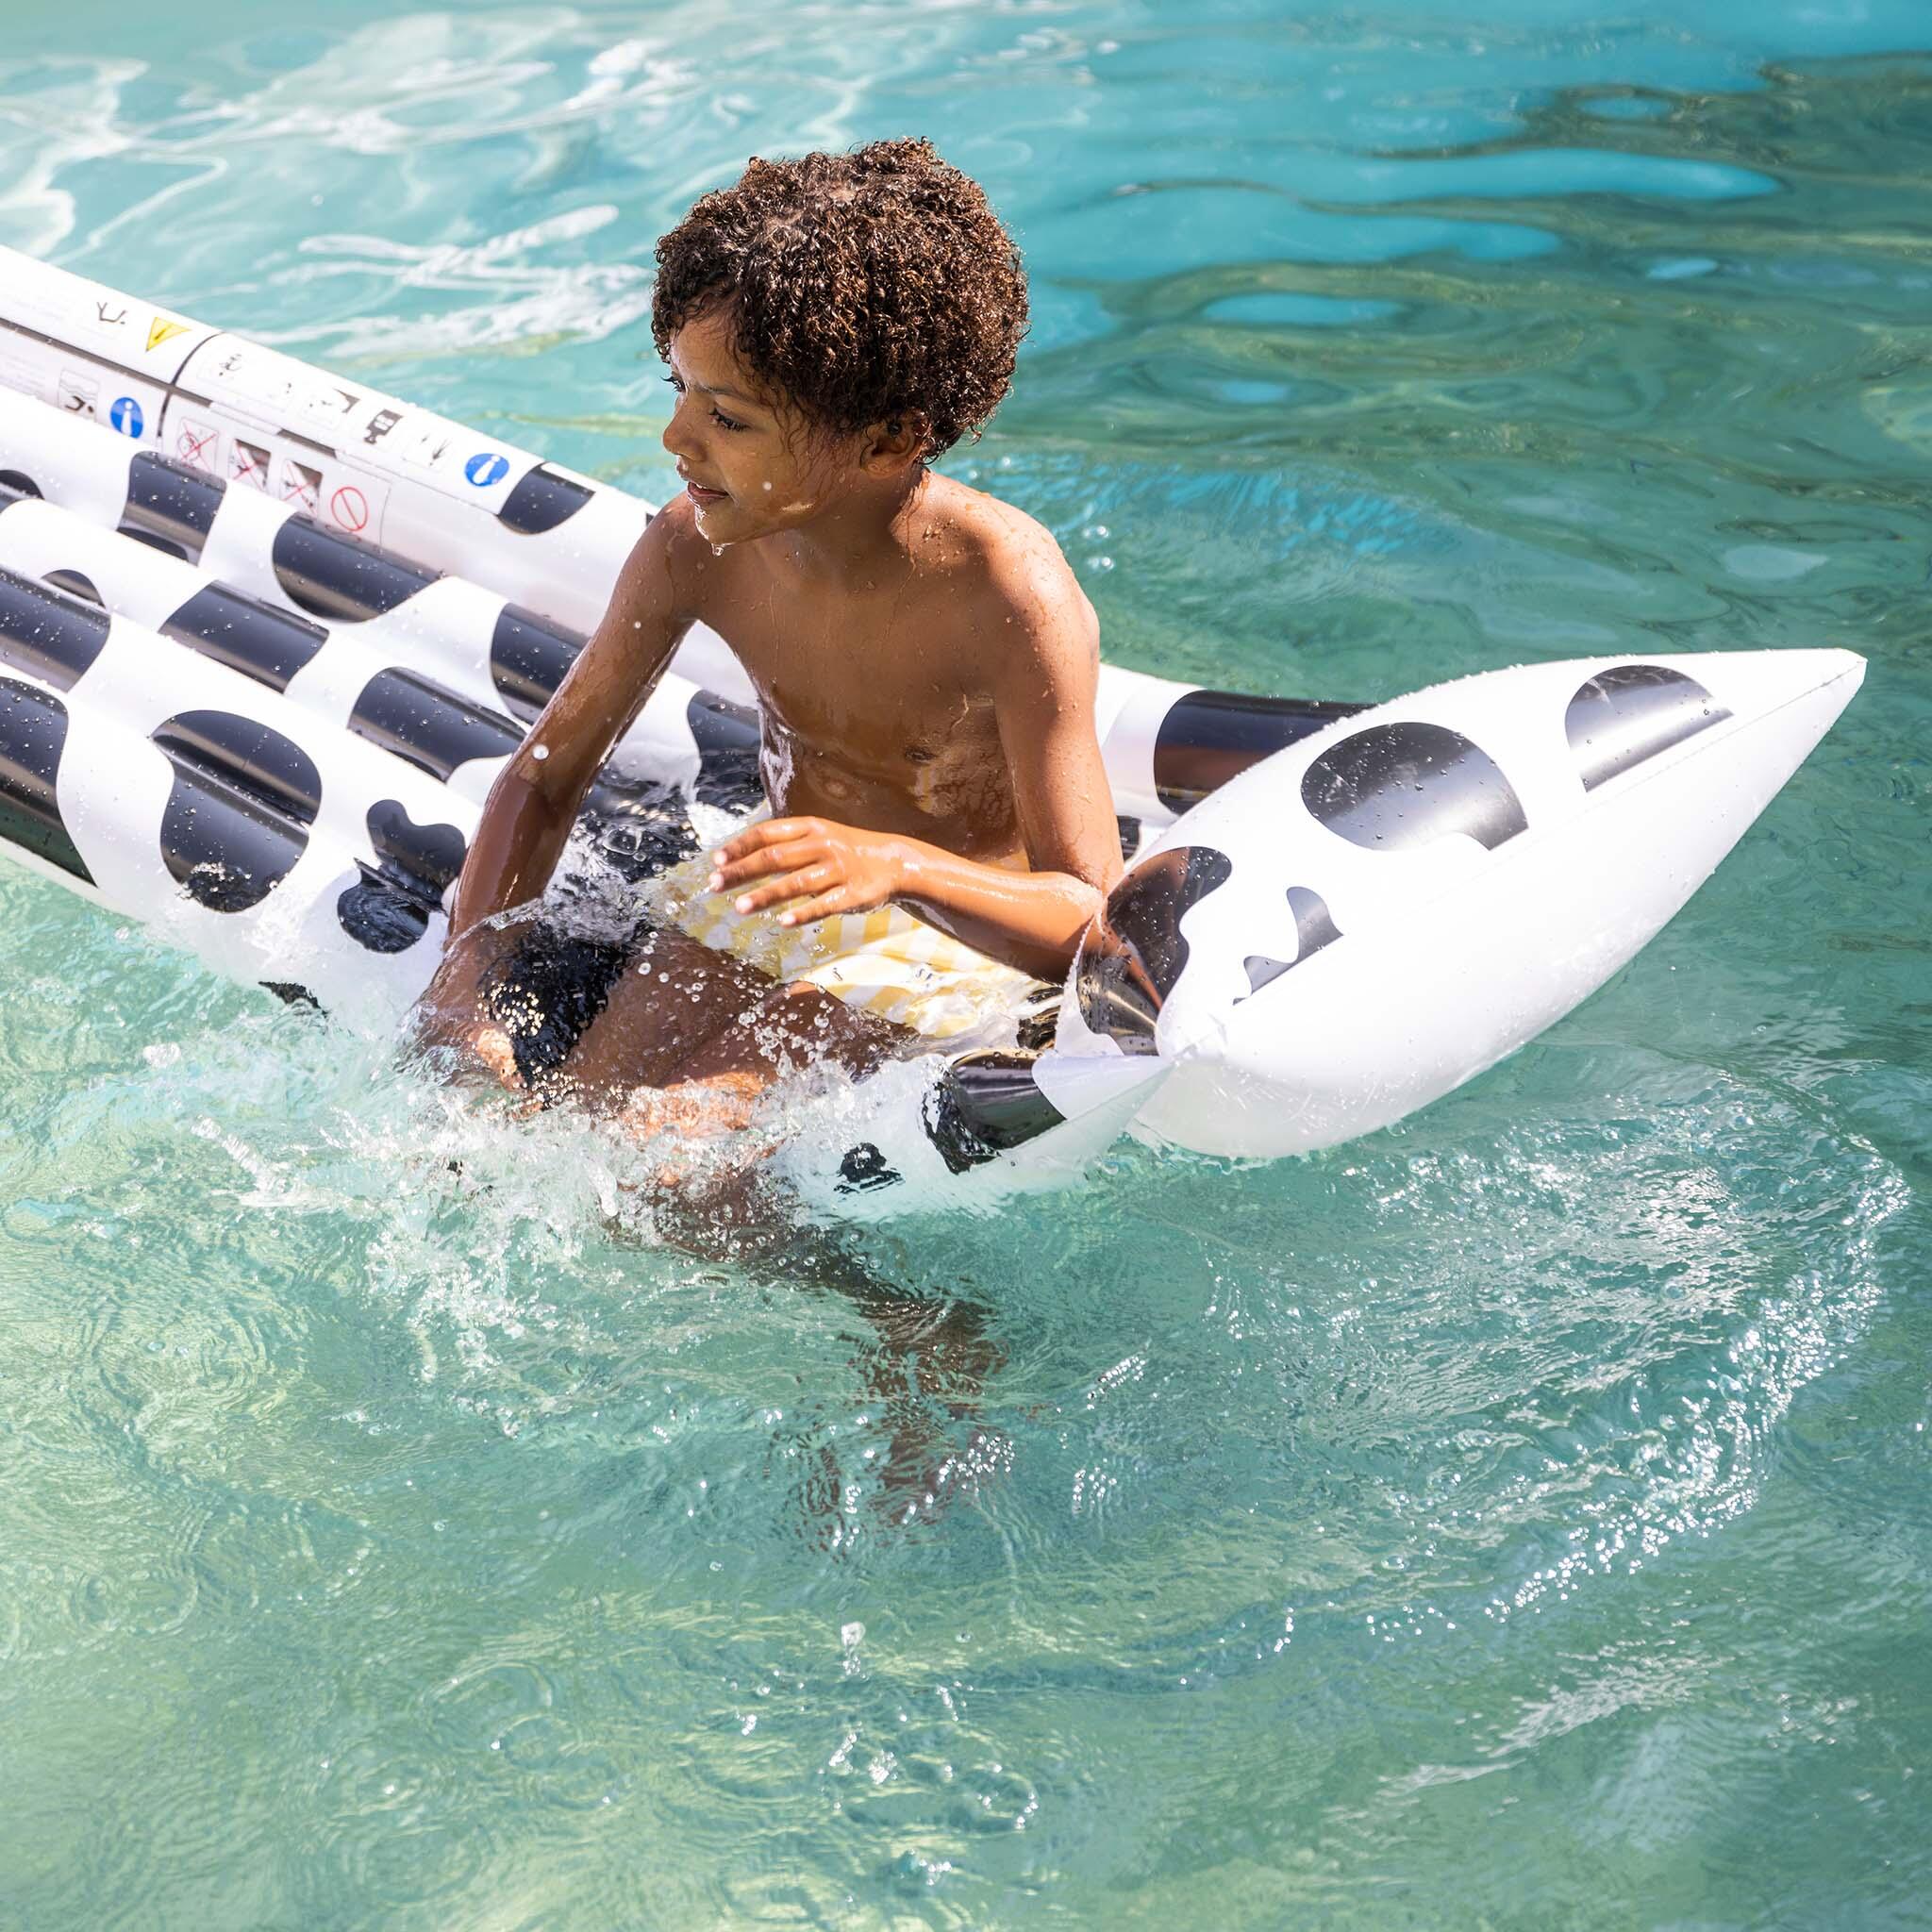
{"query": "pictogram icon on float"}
[(248, 463), (199, 444), (161, 330), (485, 468), (301, 487), (350, 509), (126, 416)]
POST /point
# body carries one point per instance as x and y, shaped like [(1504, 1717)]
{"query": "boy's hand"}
[(813, 868)]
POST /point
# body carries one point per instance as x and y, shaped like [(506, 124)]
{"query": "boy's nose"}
[(676, 441)]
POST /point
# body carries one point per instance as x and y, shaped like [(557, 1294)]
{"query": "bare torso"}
[(924, 677), (877, 704)]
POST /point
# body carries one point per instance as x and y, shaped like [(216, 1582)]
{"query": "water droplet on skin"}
[(764, 485), (539, 752), (717, 550)]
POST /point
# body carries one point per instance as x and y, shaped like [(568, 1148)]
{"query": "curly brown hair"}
[(867, 287)]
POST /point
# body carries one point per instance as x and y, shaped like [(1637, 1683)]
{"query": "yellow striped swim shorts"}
[(885, 962)]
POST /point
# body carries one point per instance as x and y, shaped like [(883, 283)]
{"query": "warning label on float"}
[(301, 487), (161, 330), (77, 394), (248, 463), (328, 404), (199, 444), (350, 509)]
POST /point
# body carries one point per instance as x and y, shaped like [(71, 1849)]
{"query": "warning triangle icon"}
[(160, 329)]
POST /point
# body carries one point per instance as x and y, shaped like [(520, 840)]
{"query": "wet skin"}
[(925, 667)]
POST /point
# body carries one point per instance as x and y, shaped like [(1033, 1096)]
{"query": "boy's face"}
[(751, 462)]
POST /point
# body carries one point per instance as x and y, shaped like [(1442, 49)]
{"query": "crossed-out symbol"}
[(194, 448)]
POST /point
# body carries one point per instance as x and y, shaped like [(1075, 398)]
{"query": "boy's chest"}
[(892, 692)]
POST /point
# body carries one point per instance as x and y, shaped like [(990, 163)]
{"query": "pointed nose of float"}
[(1763, 682), (1313, 973)]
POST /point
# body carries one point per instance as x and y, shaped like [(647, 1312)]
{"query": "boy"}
[(942, 826)]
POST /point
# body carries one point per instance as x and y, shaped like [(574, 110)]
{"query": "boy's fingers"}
[(821, 908), (755, 865), (768, 832), (793, 885)]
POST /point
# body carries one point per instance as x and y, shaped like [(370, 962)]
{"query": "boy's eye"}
[(718, 415)]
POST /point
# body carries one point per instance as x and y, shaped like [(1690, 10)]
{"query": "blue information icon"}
[(486, 468), (126, 416)]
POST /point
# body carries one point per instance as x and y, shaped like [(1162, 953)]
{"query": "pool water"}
[(1521, 1518)]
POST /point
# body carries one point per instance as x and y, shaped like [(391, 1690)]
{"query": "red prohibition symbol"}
[(350, 509)]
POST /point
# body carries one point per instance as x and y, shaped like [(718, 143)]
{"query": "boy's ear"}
[(891, 444)]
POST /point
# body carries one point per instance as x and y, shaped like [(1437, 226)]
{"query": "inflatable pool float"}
[(266, 638)]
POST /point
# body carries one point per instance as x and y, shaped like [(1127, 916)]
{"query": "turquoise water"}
[(1518, 1519)]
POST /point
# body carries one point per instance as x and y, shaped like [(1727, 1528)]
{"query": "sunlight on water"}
[(414, 1518)]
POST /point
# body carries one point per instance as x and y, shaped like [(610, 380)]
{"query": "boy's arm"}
[(1043, 697), (527, 817)]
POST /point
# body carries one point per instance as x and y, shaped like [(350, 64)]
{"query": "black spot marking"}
[(528, 656), (1208, 736), (222, 844), (33, 734), (340, 578), (1632, 712), (428, 857), (984, 1104), (432, 729), (1260, 970), (1129, 830), (49, 634), (76, 584), (378, 913), (727, 741), (171, 505), (293, 994), (1134, 954), (245, 753), (542, 500), (865, 1169), (238, 812), (1314, 928), (160, 544), (255, 638), (1396, 786), (16, 486), (388, 907)]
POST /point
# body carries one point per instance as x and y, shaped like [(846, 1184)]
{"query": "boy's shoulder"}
[(1001, 559)]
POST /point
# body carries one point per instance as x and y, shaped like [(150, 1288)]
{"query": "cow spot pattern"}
[(239, 811), (1401, 785), (1631, 712), (1134, 954), (1313, 929)]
